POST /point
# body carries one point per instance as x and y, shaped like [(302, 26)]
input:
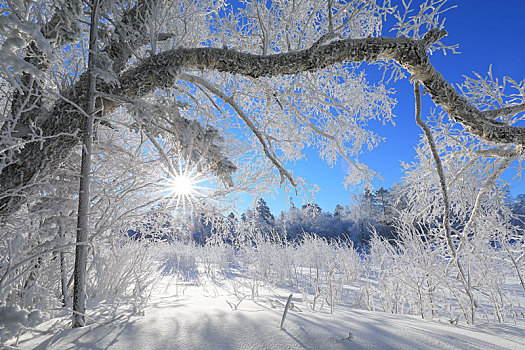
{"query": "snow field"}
[(216, 297)]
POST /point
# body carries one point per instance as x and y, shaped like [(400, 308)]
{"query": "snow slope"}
[(199, 317)]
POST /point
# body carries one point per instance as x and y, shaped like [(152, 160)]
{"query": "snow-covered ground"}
[(204, 317)]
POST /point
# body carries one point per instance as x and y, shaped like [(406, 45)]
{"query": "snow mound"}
[(13, 319)]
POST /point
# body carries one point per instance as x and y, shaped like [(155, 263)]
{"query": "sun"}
[(182, 185)]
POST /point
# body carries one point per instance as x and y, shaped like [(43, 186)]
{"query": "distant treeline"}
[(372, 211)]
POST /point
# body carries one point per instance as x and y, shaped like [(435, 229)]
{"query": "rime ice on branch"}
[(144, 56)]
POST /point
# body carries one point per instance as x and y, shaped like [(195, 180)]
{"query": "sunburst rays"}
[(184, 186)]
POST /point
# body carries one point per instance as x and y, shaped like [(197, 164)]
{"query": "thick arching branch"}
[(501, 112), (161, 70)]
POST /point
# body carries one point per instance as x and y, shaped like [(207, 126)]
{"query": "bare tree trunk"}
[(63, 267), (79, 287), (63, 279)]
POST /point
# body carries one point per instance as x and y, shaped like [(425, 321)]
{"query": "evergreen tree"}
[(339, 212), (263, 213), (312, 209)]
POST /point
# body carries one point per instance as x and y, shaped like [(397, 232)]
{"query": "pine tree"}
[(382, 198), (263, 213), (339, 212), (312, 209)]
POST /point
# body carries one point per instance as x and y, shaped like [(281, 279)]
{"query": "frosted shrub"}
[(180, 259), (349, 262), (325, 267), (13, 320), (415, 275), (275, 259), (404, 276), (318, 267), (38, 276), (381, 275), (216, 257), (30, 272), (124, 268), (490, 267), (422, 270)]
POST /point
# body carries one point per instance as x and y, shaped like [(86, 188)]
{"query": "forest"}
[(370, 212), (131, 131)]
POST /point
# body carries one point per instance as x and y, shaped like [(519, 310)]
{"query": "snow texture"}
[(202, 319)]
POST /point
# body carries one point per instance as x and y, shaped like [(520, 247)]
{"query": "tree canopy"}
[(285, 74)]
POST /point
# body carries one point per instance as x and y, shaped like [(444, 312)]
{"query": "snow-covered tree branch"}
[(135, 65)]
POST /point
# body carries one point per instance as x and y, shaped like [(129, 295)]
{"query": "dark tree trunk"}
[(79, 287)]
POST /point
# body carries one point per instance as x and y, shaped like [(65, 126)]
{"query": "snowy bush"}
[(216, 258), (124, 268), (13, 320), (180, 259), (414, 275)]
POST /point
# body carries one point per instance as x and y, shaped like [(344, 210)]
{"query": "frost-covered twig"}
[(235, 306), (285, 312), (504, 163), (229, 100), (446, 203)]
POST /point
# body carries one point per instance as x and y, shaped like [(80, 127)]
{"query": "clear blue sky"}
[(488, 32)]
